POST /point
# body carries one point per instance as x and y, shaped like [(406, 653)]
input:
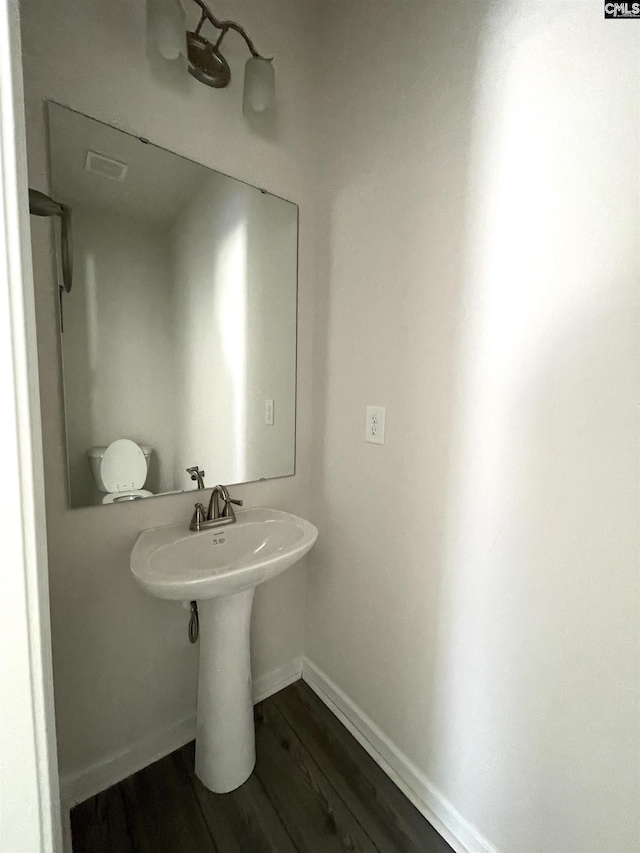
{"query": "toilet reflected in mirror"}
[(120, 471)]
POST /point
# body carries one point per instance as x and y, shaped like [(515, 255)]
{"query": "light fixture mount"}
[(206, 62)]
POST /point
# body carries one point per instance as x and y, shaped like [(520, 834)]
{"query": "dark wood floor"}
[(314, 790)]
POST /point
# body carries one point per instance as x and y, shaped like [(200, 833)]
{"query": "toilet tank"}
[(95, 455)]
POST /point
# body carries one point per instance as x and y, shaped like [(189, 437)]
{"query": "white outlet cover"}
[(374, 428)]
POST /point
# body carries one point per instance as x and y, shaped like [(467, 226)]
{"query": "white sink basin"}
[(173, 562), (220, 569)]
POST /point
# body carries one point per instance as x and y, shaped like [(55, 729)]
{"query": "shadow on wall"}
[(538, 565), (477, 575)]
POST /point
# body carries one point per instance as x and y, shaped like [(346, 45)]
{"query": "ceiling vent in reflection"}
[(105, 166)]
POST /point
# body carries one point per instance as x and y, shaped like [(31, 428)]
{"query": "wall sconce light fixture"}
[(166, 28)]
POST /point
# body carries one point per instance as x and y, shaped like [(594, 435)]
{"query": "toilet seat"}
[(124, 497), (123, 470)]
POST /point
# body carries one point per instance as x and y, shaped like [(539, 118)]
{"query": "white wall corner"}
[(277, 679), (436, 808)]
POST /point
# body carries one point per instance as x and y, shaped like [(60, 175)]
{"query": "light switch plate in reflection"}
[(374, 430), (268, 412)]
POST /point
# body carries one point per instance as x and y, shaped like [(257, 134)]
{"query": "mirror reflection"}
[(179, 334)]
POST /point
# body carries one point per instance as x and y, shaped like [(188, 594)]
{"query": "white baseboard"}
[(77, 787), (65, 819), (458, 832)]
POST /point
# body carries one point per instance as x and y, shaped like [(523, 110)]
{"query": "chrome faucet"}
[(216, 515)]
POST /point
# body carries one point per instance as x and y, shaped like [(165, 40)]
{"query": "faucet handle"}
[(199, 516), (227, 511)]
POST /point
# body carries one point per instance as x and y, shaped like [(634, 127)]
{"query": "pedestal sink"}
[(220, 568)]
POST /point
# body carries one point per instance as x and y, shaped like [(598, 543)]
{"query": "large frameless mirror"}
[(179, 333)]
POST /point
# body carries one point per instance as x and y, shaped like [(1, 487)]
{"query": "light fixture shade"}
[(166, 28), (259, 86)]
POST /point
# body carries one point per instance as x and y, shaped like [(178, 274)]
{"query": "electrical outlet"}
[(374, 431), (268, 412)]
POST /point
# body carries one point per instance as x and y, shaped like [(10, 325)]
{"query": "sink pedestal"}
[(225, 735)]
